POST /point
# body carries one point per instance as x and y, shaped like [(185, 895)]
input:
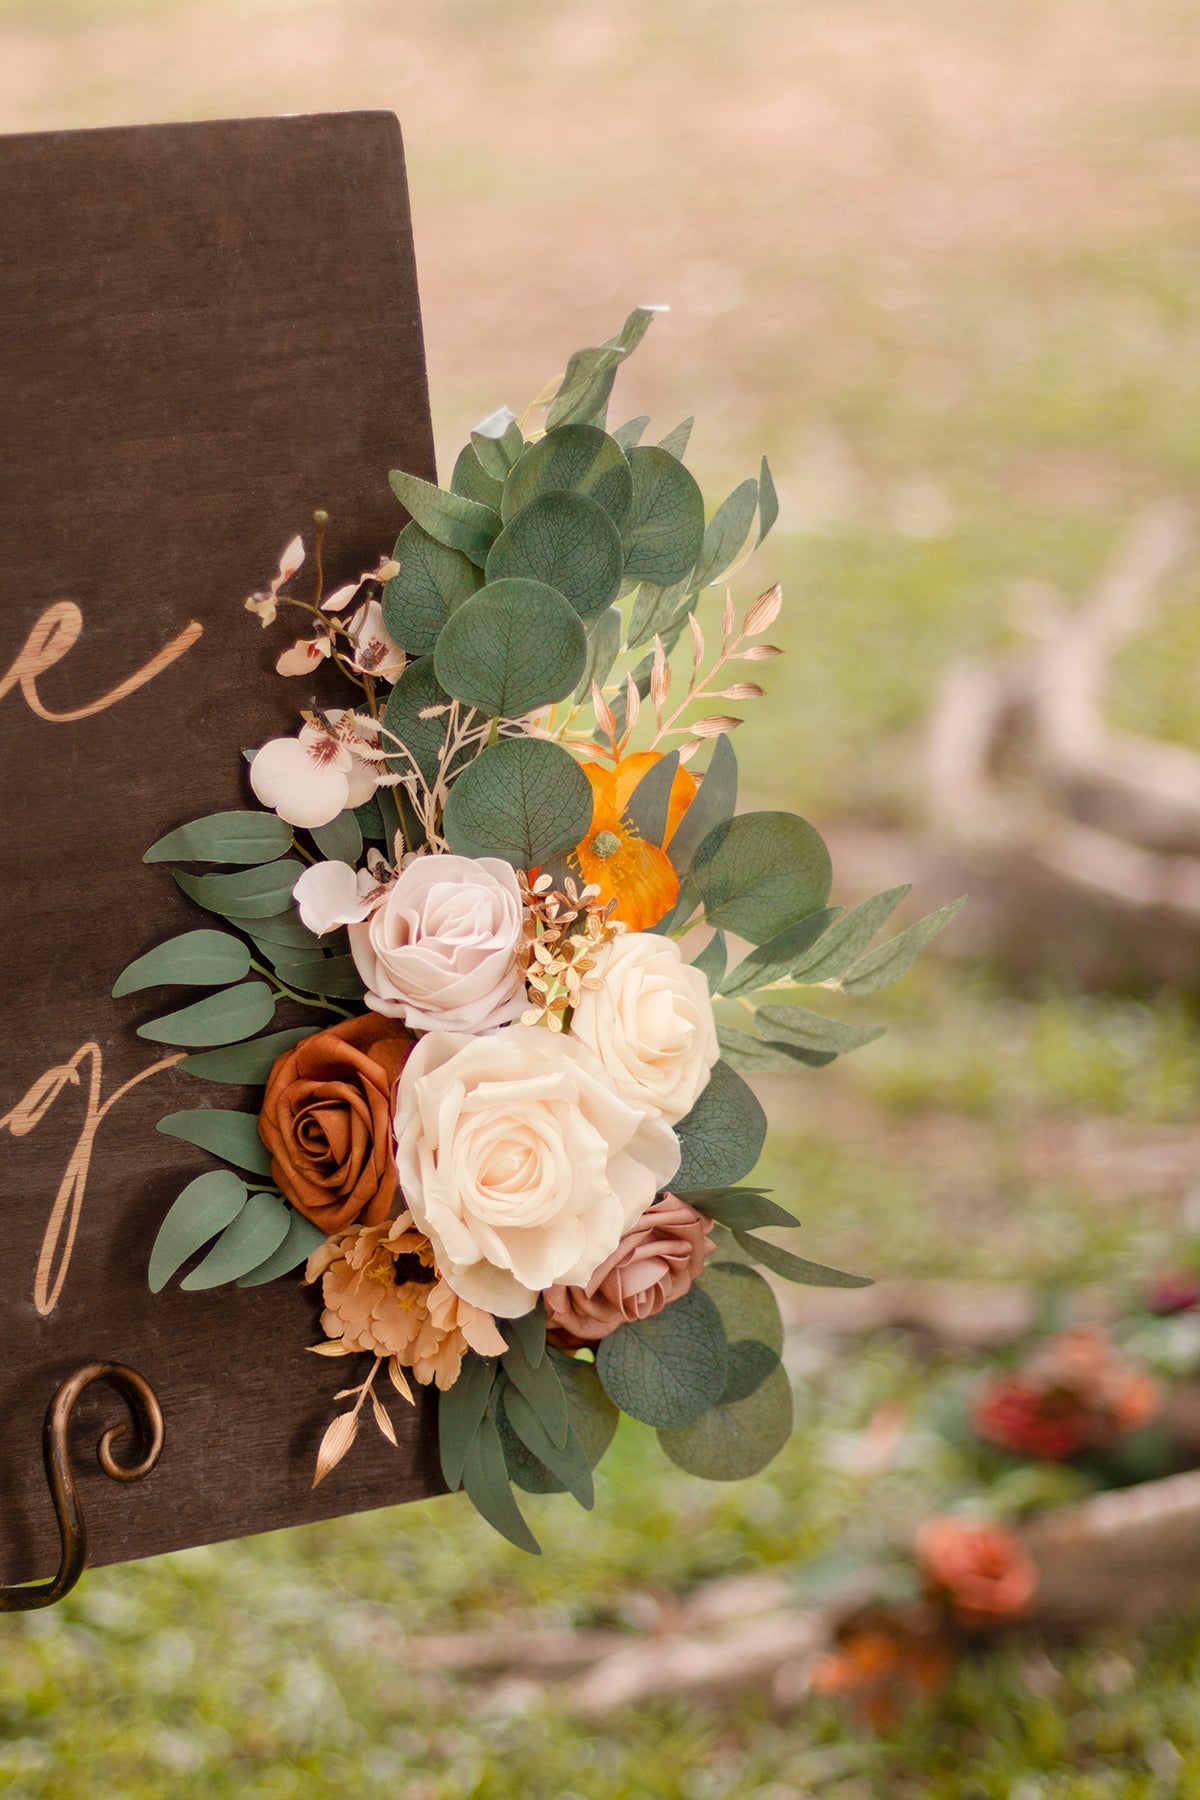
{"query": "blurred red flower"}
[(1076, 1392)]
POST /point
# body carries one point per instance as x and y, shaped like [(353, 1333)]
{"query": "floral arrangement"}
[(513, 1155)]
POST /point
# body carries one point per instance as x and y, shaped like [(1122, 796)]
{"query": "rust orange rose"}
[(652, 1265), (326, 1120), (982, 1570)]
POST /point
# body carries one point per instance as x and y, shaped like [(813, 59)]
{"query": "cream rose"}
[(520, 1162), (650, 1023), (439, 949)]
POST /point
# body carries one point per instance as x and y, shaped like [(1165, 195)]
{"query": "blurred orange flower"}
[(982, 1570), (884, 1662), (613, 857)]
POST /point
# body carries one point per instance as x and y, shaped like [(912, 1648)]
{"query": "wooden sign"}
[(208, 330)]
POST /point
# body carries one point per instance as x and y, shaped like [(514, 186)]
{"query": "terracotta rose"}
[(326, 1120), (654, 1263)]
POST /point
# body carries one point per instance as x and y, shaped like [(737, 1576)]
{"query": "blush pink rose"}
[(654, 1263)]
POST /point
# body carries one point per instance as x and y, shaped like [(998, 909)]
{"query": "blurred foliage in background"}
[(940, 263)]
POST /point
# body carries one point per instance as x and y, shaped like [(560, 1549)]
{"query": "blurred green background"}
[(940, 261)]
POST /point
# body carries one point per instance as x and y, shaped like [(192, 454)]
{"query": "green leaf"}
[(650, 800), (731, 1442), (333, 977), (245, 1065), (286, 931), (722, 1137), (548, 1467), (593, 1416), (529, 1331), (768, 503), (341, 840), (756, 1056), (232, 1135), (666, 1370), (541, 1387), (879, 968), (522, 799), (774, 960), (746, 1303), (761, 872), (804, 1030), (749, 1365), (471, 479), (452, 519), (604, 646), (254, 1235), (797, 1268), (849, 938), (486, 1480), (664, 531), (584, 390), (713, 805), (511, 648), (656, 608), (417, 690), (726, 533), (746, 1209), (498, 443), (225, 1018), (566, 541), (207, 1205), (298, 1244), (370, 822), (225, 837), (711, 960), (194, 959), (629, 435), (250, 894), (433, 580), (676, 441), (575, 459), (460, 1412)]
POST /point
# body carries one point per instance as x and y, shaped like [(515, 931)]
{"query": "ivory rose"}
[(654, 1263), (439, 950), (521, 1163), (650, 1023)]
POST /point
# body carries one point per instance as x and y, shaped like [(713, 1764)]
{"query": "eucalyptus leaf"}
[(512, 648), (285, 931), (723, 1135), (749, 1365), (567, 541), (498, 443), (711, 960), (232, 1135), (733, 1441), (649, 803), (245, 1065), (472, 480), (743, 1209), (576, 459), (584, 390), (656, 608), (452, 519), (604, 646), (522, 799), (761, 872), (432, 581), (879, 968), (768, 502), (371, 822), (486, 1480), (629, 435), (666, 1370), (752, 1055), (746, 1303), (258, 893), (194, 959), (246, 838), (224, 1018), (593, 1416), (253, 1236), (804, 1030), (332, 977), (712, 806), (417, 691), (676, 441), (301, 1239), (341, 840), (726, 533), (848, 939), (206, 1206), (774, 960), (460, 1411), (664, 530), (797, 1268)]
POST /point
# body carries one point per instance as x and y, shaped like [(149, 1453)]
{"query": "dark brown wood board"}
[(205, 332)]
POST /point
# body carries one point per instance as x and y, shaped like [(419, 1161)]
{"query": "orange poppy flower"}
[(637, 875)]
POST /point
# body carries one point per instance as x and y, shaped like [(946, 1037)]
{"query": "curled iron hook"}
[(147, 1416)]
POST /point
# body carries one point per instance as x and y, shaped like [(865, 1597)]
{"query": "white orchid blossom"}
[(335, 762), (267, 605)]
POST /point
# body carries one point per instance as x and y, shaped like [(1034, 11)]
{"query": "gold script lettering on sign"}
[(56, 633), (58, 1242)]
